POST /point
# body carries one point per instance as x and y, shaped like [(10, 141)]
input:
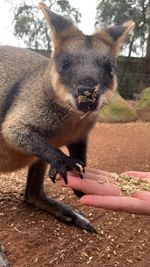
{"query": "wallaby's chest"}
[(70, 128)]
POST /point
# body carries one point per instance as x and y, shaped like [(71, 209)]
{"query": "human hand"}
[(103, 192)]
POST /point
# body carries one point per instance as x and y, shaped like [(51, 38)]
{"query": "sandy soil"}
[(33, 238)]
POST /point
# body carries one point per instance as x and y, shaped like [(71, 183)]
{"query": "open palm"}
[(102, 191)]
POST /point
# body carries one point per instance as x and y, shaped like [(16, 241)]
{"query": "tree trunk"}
[(146, 67)]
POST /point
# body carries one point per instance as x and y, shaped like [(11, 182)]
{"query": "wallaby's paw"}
[(63, 165), (61, 211)]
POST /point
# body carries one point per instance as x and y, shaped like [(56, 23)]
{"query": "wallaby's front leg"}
[(27, 140), (78, 151), (35, 194)]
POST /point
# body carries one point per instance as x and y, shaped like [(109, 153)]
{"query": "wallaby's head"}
[(82, 68)]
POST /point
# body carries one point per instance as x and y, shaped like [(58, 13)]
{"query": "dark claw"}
[(90, 228), (64, 176), (52, 174), (81, 176), (79, 167), (79, 173), (62, 172), (84, 223), (52, 179), (63, 165)]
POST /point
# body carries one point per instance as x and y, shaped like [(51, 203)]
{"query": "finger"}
[(126, 204), (99, 177), (92, 187), (98, 172), (88, 175), (143, 195)]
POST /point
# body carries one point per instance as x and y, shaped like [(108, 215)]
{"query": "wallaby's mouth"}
[(87, 98)]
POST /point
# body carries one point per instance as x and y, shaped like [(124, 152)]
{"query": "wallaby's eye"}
[(65, 64), (108, 67)]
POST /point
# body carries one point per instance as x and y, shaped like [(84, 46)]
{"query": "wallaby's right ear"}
[(58, 24)]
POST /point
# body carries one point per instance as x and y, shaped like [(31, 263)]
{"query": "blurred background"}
[(22, 24)]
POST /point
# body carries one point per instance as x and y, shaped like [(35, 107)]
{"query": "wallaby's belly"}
[(11, 160)]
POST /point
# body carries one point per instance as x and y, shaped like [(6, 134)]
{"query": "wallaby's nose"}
[(87, 97), (85, 90), (86, 86)]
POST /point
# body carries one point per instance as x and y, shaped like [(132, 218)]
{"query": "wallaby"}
[(45, 105)]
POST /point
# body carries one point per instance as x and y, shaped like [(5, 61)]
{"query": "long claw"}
[(53, 179), (80, 168), (64, 176), (84, 223), (81, 176), (90, 228), (52, 175)]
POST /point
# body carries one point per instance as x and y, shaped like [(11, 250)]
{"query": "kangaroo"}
[(46, 104)]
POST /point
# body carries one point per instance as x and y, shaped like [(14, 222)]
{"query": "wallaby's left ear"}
[(57, 23), (120, 33)]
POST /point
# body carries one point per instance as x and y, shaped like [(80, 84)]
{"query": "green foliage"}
[(30, 26), (118, 110), (132, 77), (144, 102), (143, 105), (129, 72), (119, 11)]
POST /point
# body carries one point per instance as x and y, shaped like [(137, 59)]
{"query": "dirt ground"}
[(33, 237)]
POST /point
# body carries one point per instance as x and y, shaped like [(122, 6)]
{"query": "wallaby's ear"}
[(119, 34), (57, 23)]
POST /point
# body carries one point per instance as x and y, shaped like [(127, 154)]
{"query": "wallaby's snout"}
[(87, 95)]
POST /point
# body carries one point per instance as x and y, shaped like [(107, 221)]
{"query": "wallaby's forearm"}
[(31, 142)]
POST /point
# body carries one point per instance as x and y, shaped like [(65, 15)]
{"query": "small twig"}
[(3, 259)]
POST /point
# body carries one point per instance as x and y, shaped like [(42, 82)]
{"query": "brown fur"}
[(12, 159)]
